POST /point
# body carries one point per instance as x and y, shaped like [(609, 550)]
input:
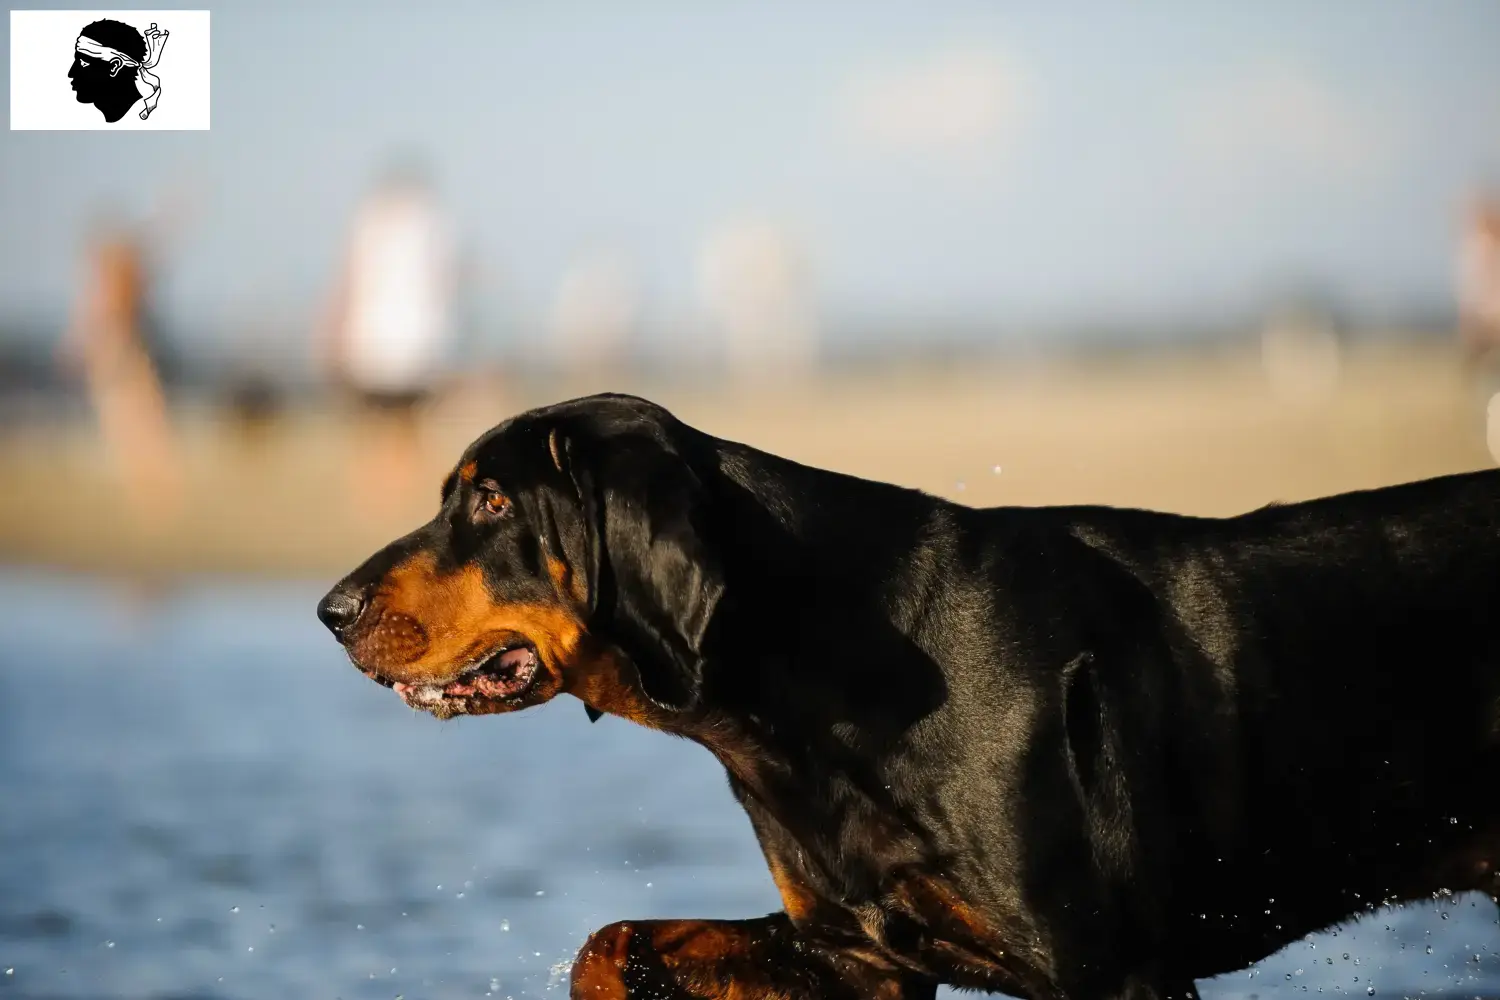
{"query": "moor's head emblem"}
[(112, 65)]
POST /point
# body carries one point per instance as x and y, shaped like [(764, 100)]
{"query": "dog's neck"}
[(797, 576)]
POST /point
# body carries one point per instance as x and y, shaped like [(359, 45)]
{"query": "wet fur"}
[(1077, 753)]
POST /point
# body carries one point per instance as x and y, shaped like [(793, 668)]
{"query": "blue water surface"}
[(199, 798)]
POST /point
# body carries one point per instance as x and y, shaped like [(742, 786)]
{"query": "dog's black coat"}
[(1064, 752)]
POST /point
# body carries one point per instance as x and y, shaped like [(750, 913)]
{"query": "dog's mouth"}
[(501, 676)]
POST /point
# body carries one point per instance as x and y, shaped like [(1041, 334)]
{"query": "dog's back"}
[(1338, 713)]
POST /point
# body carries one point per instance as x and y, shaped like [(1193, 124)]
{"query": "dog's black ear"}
[(658, 580)]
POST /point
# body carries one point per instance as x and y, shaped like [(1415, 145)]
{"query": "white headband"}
[(147, 83)]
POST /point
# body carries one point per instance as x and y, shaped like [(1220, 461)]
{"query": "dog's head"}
[(569, 554)]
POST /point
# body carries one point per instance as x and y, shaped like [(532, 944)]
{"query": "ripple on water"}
[(223, 756)]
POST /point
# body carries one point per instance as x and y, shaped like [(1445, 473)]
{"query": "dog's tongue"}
[(417, 694), (515, 660), (514, 667), (508, 674)]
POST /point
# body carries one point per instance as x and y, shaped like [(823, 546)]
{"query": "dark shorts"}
[(396, 401)]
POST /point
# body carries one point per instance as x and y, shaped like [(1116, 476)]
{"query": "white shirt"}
[(399, 311)]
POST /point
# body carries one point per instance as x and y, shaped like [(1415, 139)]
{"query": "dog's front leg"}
[(724, 959)]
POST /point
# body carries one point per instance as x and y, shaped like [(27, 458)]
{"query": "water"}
[(200, 799)]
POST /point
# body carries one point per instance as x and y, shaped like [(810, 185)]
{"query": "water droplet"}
[(541, 892), (995, 470), (459, 896), (234, 909), (1444, 916), (648, 885), (505, 925), (1346, 956), (359, 927), (959, 485), (1370, 991), (251, 948), (10, 971), (1429, 949), (109, 944)]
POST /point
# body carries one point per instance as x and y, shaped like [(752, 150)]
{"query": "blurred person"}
[(757, 287), (1479, 281), (108, 342), (391, 324)]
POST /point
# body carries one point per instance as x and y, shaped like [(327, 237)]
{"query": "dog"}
[(1064, 753)]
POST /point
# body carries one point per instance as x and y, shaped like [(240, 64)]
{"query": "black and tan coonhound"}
[(1065, 753)]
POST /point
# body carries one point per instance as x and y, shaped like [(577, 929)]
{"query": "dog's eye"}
[(492, 501)]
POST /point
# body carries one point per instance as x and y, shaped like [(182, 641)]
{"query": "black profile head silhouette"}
[(100, 76)]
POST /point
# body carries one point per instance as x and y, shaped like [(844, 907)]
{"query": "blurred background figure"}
[(111, 343), (390, 326), (757, 288), (1479, 280), (596, 313)]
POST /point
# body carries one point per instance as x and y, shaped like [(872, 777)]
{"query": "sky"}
[(995, 165)]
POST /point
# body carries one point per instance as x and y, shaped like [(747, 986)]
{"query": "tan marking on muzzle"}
[(426, 627)]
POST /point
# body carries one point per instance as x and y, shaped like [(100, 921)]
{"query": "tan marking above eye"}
[(466, 472)]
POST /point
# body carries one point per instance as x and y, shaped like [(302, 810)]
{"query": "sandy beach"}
[(1201, 434)]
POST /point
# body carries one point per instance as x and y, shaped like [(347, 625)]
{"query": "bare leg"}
[(133, 418), (761, 959)]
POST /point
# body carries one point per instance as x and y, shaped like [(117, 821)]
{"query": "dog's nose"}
[(339, 609)]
